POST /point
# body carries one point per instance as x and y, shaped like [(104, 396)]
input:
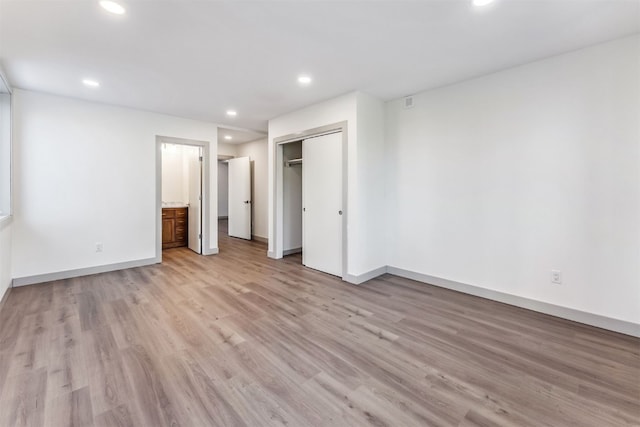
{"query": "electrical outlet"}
[(99, 247), (556, 277)]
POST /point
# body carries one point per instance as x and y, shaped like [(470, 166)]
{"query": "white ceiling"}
[(239, 136), (196, 59)]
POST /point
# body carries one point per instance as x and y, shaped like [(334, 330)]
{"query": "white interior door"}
[(195, 200), (322, 203), (240, 198)]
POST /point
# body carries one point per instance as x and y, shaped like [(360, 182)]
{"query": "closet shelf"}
[(293, 162)]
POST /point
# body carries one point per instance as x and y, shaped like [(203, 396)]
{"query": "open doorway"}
[(223, 195), (181, 195), (292, 199), (234, 197), (237, 157)]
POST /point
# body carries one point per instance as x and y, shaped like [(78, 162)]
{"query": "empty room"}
[(320, 213)]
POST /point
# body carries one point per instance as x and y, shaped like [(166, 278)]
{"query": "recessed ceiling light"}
[(304, 80), (228, 137), (113, 7), (90, 83), (481, 2), (232, 113)]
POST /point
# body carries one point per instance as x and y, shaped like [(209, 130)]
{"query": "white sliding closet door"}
[(322, 203)]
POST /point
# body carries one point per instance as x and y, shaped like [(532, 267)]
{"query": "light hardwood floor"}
[(238, 339)]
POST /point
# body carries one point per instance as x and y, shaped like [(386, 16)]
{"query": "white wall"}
[(86, 173), (498, 180), (5, 190), (225, 149), (5, 152), (363, 113), (370, 247), (175, 172), (172, 174), (5, 256), (223, 177)]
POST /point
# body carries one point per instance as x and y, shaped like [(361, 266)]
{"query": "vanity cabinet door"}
[(168, 230)]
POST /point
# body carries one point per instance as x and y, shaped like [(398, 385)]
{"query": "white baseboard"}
[(211, 251), (68, 274), (291, 251), (356, 279), (616, 325), (259, 239), (596, 320), (4, 297)]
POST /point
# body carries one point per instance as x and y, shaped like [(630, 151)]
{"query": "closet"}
[(292, 191), (312, 201)]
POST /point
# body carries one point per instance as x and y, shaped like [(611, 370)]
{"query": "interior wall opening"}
[(223, 195), (182, 195), (312, 198), (292, 198)]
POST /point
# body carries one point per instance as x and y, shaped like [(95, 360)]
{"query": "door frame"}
[(278, 186), (204, 223)]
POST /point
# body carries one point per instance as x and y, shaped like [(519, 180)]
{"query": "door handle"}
[(339, 212), (247, 201)]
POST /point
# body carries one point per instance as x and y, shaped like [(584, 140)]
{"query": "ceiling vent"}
[(408, 102)]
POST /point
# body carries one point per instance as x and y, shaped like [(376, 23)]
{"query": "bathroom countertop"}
[(174, 205)]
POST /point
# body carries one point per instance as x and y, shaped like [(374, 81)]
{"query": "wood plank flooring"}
[(238, 339)]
